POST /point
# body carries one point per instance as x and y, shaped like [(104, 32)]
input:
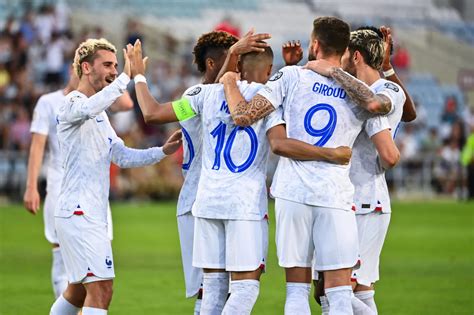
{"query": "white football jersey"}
[(234, 159), (367, 175), (191, 168), (88, 145), (317, 111), (44, 123)]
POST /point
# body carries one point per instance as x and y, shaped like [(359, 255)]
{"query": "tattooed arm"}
[(244, 113), (357, 90)]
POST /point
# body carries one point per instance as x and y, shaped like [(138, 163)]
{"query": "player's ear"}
[(86, 67), (269, 70), (356, 57), (210, 63), (239, 66)]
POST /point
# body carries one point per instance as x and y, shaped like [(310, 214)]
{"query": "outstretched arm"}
[(357, 90), (248, 43), (153, 112), (244, 113), (299, 150), (126, 157), (387, 149), (409, 110), (122, 104), (31, 198)]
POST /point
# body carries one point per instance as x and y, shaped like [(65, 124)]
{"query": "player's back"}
[(367, 175), (232, 182), (317, 111)]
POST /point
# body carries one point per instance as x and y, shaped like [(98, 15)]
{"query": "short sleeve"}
[(196, 95), (274, 119), (375, 125), (41, 119), (395, 93), (278, 85)]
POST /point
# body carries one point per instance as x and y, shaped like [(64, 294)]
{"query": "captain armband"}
[(183, 110)]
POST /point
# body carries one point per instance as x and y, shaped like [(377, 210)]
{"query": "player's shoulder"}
[(285, 73), (51, 98), (199, 89), (383, 84)]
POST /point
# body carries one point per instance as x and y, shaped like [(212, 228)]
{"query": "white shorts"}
[(48, 216), (192, 275), (304, 231), (85, 247), (372, 229), (233, 245)]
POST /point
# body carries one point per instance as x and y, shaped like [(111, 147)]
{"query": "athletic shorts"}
[(192, 275), (86, 249), (327, 234), (48, 216), (233, 245), (372, 228)]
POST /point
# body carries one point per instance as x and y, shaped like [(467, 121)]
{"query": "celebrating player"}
[(313, 207), (43, 129), (88, 145)]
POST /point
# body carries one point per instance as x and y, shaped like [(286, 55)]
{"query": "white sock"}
[(62, 307), (214, 293), (93, 311), (324, 305), (359, 307), (368, 298), (297, 295), (339, 300), (197, 307), (243, 295), (58, 273)]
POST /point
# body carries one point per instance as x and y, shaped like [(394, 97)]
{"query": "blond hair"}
[(370, 46), (86, 52)]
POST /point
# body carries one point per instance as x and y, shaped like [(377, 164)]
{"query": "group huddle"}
[(332, 122)]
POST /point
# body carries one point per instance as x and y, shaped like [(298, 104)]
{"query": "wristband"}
[(389, 72), (139, 78)]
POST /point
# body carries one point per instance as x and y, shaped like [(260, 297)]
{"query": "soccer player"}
[(313, 206), (228, 158), (211, 52), (88, 145), (43, 129), (372, 156)]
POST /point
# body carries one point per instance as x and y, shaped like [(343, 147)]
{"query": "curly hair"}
[(86, 52), (378, 31), (211, 45), (370, 46)]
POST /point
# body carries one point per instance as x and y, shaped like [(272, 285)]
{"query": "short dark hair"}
[(255, 56), (211, 45), (332, 34), (369, 45), (378, 31)]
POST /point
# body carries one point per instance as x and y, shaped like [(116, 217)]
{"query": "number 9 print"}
[(326, 132)]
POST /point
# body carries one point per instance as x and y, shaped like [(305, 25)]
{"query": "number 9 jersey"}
[(317, 111), (234, 159)]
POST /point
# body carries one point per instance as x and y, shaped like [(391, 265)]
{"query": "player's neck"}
[(368, 75), (333, 60), (85, 88)]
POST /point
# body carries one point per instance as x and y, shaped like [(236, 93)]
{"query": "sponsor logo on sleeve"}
[(391, 86), (195, 91), (276, 76)]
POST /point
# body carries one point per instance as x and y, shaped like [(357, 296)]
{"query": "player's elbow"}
[(390, 158), (375, 107), (277, 146), (242, 120), (408, 117)]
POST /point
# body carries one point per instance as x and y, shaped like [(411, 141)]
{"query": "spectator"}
[(228, 25)]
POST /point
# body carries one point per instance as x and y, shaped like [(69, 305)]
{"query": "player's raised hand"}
[(342, 155), (126, 56), (173, 143), (292, 52), (229, 76), (387, 43), (250, 42), (137, 60), (320, 66), (31, 200)]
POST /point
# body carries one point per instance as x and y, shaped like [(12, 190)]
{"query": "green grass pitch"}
[(427, 263)]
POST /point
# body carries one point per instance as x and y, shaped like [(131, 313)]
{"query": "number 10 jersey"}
[(234, 159)]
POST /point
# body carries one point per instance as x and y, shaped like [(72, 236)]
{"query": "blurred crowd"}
[(37, 48)]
